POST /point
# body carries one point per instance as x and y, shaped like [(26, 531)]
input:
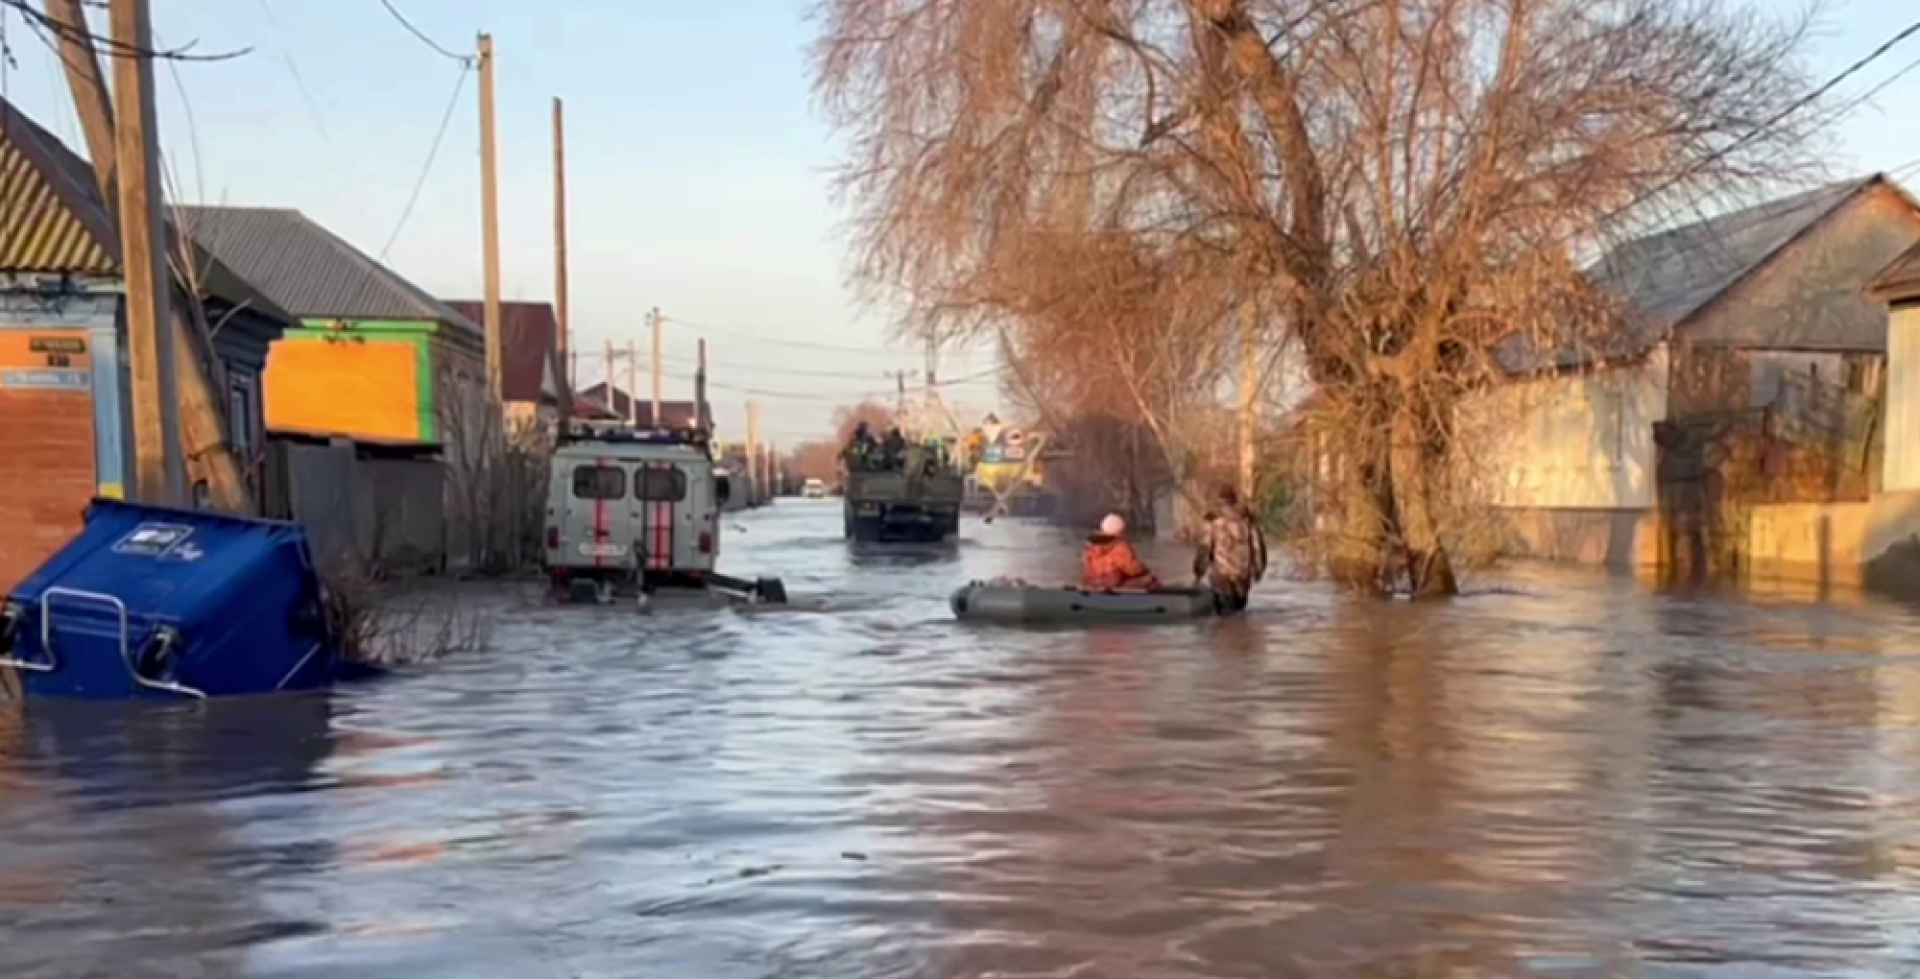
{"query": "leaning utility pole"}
[(90, 98), (490, 221), (1249, 382), (161, 475), (564, 339)]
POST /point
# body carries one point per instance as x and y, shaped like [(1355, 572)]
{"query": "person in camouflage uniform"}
[(1233, 552)]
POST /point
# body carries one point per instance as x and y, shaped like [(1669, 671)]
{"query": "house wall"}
[(1900, 458), (368, 380), (1812, 295), (61, 423), (1571, 442)]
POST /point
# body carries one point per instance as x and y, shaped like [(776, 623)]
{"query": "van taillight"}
[(553, 538), (706, 542)]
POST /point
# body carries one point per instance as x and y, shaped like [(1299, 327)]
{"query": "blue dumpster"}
[(155, 602)]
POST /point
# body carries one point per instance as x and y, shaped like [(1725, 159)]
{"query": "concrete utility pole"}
[(753, 446), (658, 355), (565, 338), (1249, 382), (700, 388), (633, 385), (490, 221), (611, 405), (159, 465)]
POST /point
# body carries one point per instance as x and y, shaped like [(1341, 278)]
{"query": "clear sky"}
[(697, 168)]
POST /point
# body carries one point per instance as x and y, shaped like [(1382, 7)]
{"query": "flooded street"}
[(1564, 776)]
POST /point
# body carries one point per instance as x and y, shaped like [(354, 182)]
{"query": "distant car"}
[(814, 489)]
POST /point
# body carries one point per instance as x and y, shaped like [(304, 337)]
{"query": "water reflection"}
[(126, 851), (1561, 775)]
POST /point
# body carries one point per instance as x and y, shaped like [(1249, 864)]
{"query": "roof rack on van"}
[(592, 431)]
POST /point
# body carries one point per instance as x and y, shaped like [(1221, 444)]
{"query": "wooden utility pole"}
[(490, 220), (753, 446), (564, 338), (1249, 383), (633, 386), (160, 469), (658, 354)]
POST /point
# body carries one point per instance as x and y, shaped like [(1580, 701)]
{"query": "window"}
[(660, 484), (599, 482), (240, 419)]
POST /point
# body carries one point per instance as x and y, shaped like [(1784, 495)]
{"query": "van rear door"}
[(596, 530), (659, 505)]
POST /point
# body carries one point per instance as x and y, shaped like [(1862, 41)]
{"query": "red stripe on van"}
[(661, 516), (599, 520)]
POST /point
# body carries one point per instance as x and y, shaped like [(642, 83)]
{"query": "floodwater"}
[(1564, 776)]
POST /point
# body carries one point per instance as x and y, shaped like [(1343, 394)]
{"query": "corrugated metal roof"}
[(309, 270), (55, 221), (1667, 277), (51, 218), (1662, 280)]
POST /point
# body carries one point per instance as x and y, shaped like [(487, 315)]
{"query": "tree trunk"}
[(1359, 548), (1428, 568)]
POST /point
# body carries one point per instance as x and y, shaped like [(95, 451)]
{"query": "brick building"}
[(65, 416)]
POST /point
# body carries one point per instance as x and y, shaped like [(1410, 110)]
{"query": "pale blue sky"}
[(696, 165)]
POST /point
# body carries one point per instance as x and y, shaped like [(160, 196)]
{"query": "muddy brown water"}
[(1571, 776)]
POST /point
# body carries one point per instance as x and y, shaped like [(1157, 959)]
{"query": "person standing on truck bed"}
[(860, 450), (893, 450)]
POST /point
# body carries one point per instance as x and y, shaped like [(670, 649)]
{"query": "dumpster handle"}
[(120, 609), (7, 657), (169, 637)]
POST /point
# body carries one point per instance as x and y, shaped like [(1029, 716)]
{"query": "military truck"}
[(918, 501)]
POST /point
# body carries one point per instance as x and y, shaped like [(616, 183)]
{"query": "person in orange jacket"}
[(1109, 562)]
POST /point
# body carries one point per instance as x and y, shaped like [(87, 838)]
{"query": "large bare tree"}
[(1407, 187)]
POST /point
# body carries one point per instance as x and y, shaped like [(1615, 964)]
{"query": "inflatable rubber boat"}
[(1000, 602)]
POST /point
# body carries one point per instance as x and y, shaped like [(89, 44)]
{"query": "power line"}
[(762, 337), (1777, 118), (1847, 109), (299, 81), (438, 48), (433, 151)]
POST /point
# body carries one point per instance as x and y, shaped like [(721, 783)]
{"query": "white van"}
[(814, 489), (633, 509)]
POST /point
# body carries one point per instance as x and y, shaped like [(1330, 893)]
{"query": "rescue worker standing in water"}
[(1233, 552)]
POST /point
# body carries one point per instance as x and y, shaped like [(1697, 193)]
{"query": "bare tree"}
[(1410, 185), (497, 470)]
